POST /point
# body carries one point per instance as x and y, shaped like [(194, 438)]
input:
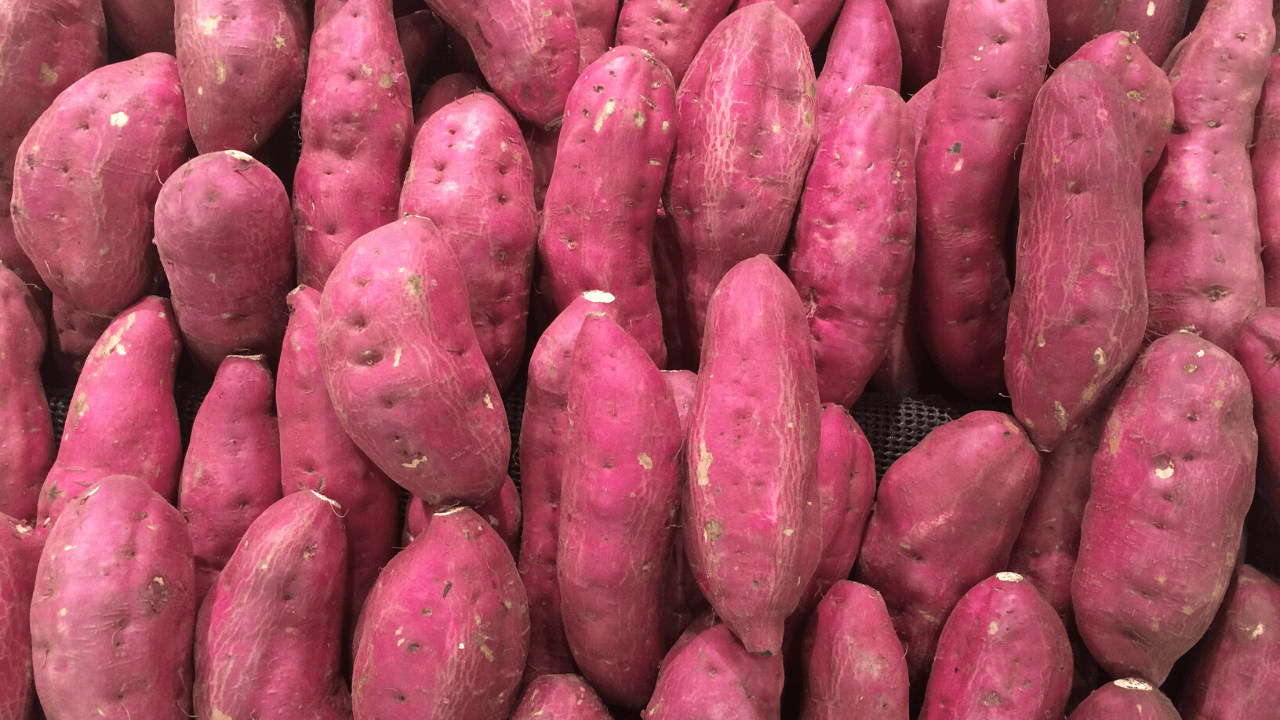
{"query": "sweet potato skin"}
[(1265, 160), (1171, 485), (269, 635), (1076, 22), (83, 199), (421, 36), (471, 174), (1126, 699), (751, 514), (979, 472), (855, 239), (404, 370), (445, 633), (1079, 304), (673, 31), (502, 512), (77, 331), (864, 50), (965, 174), (26, 428), (142, 26), (20, 548), (139, 351), (560, 697), (596, 21), (1257, 350), (1158, 25), (444, 91), (709, 674), (919, 24), (120, 557), (813, 17)]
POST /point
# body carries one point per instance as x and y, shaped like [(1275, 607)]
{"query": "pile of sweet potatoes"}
[(529, 337)]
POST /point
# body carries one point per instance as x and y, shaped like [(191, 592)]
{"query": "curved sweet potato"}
[(26, 428), (560, 697), (1158, 25), (670, 29), (864, 50)]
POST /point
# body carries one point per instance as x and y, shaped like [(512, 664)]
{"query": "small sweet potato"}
[(864, 50), (1257, 350), (1265, 160), (502, 512), (919, 24), (560, 697), (142, 26), (1158, 24), (20, 548), (26, 428), (670, 29), (1126, 699), (712, 675)]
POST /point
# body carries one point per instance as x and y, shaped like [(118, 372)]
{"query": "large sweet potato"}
[(864, 50), (560, 697), (20, 548), (670, 29), (709, 674), (1265, 160), (1126, 699), (26, 428), (1257, 350)]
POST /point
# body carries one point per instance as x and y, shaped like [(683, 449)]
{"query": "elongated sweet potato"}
[(1171, 485), (713, 675), (993, 63), (1158, 24), (620, 500), (919, 24), (946, 516), (864, 50), (1265, 160), (86, 179), (404, 370), (1257, 350), (1003, 646), (752, 513), (735, 180), (1126, 699), (598, 215), (672, 30), (231, 472), (357, 121), (502, 512), (471, 174), (444, 91), (1073, 23), (855, 239), (1203, 246), (560, 697), (123, 419), (683, 600), (269, 635), (445, 632), (813, 17), (142, 26), (26, 428), (20, 548), (114, 609)]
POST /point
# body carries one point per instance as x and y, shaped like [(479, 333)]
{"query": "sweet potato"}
[(1233, 673), (1157, 23), (752, 513), (813, 17), (444, 91), (225, 236), (1079, 304), (1171, 485), (672, 30), (472, 175), (946, 516), (713, 676), (864, 50), (1257, 350), (668, 276), (142, 26), (114, 610), (598, 215), (596, 20), (123, 419), (231, 472), (243, 66), (317, 454), (1203, 246), (560, 697), (357, 121), (683, 600), (269, 635), (527, 50), (542, 144), (1003, 646), (421, 36), (855, 239), (853, 662), (1265, 162), (1073, 23), (404, 370), (445, 632), (26, 428), (77, 332), (620, 499), (735, 180), (1126, 699), (502, 512), (993, 63), (86, 179), (20, 548), (919, 24)]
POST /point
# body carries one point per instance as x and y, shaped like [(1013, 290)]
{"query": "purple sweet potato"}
[(813, 17), (1157, 23), (269, 635), (1126, 699), (683, 599), (1257, 350), (993, 63), (713, 676), (853, 662), (49, 44), (542, 144), (746, 133), (20, 548), (1003, 646), (1204, 268), (445, 632), (1265, 161), (946, 516), (683, 385), (114, 610), (502, 512), (919, 24), (544, 431), (1073, 23), (86, 179), (243, 65), (357, 122), (317, 454), (855, 239), (620, 499), (421, 37), (1233, 671), (1079, 304), (611, 163), (670, 29), (668, 276), (225, 236), (864, 50), (472, 175), (142, 26), (1171, 485), (26, 428), (444, 91), (527, 50), (231, 472), (1145, 85), (123, 419), (404, 370), (77, 332), (752, 512), (560, 697), (596, 21)]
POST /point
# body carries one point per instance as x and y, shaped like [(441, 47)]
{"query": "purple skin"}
[(502, 512), (142, 26), (560, 697), (444, 91), (813, 17), (670, 29), (919, 24), (1073, 23), (77, 332), (683, 600), (26, 442), (1257, 350), (863, 51), (20, 548), (421, 37), (1158, 24), (1126, 699), (611, 163), (596, 21), (709, 674), (1265, 160)]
